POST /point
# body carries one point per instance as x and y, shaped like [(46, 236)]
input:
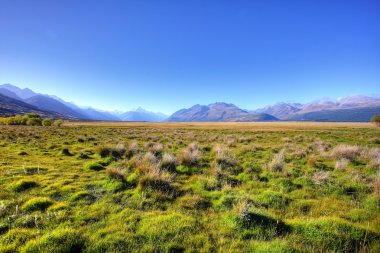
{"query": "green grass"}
[(190, 188)]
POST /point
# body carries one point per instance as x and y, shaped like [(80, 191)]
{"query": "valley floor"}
[(190, 187)]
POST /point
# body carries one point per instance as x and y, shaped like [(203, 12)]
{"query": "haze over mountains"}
[(14, 100), (41, 103)]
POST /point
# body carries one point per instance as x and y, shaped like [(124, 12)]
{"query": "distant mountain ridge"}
[(218, 112), (141, 114), (343, 109), (10, 107), (15, 100), (58, 106)]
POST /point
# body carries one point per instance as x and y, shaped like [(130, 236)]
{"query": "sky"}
[(168, 55)]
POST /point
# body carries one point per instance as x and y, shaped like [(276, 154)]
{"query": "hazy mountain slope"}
[(344, 109), (360, 114), (217, 112), (50, 104), (10, 107), (21, 93), (89, 112), (141, 114), (9, 93), (280, 110)]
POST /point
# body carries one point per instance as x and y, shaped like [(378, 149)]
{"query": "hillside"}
[(10, 107), (47, 103)]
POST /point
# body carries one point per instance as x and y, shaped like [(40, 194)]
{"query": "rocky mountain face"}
[(218, 112)]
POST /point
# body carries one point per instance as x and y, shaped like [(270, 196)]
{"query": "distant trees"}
[(30, 119), (376, 119)]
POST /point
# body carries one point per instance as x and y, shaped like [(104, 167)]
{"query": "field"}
[(190, 187)]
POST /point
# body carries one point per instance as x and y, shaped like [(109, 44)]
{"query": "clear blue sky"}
[(166, 55)]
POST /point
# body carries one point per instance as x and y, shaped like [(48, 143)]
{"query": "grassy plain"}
[(190, 187)]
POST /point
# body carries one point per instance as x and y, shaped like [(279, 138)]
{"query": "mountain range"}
[(42, 104), (14, 100)]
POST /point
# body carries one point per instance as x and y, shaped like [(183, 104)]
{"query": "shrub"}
[(63, 240), (47, 122), (58, 123), (94, 166), (115, 173), (34, 122), (277, 163), (24, 184), (37, 204), (346, 151), (376, 119)]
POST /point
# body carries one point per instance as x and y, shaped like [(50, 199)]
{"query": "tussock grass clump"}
[(346, 151), (320, 177), (155, 148), (59, 240), (224, 157), (94, 166), (37, 204), (103, 151), (15, 238), (23, 185), (193, 202), (132, 149), (261, 225), (277, 164), (341, 164), (273, 199), (155, 179), (116, 173), (82, 196), (333, 234), (169, 162), (66, 152), (376, 185), (374, 158), (191, 155)]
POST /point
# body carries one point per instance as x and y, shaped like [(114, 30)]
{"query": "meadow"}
[(190, 187)]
